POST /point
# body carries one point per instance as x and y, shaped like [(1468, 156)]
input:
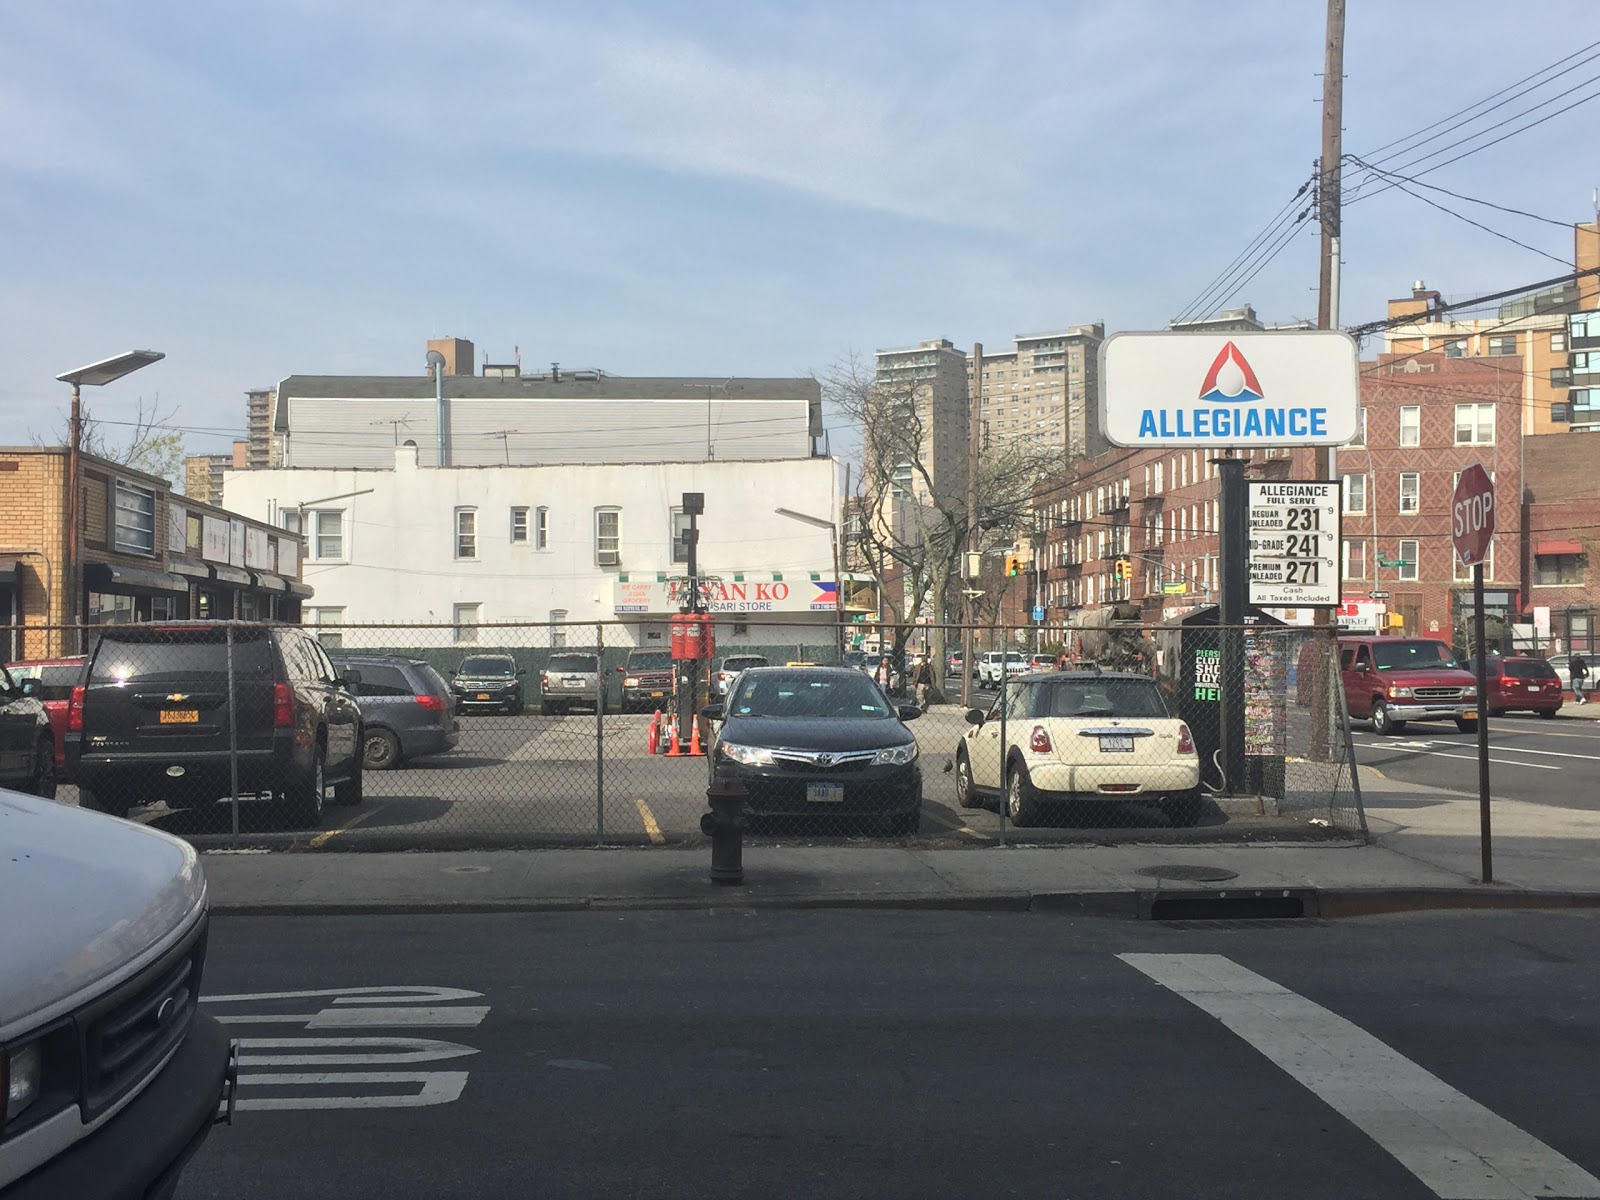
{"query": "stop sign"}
[(1472, 514)]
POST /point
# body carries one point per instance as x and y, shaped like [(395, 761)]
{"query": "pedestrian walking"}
[(1579, 671), (922, 678), (882, 675)]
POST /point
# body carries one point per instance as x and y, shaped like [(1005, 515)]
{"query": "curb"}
[(1133, 904)]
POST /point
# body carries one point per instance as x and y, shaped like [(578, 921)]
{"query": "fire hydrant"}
[(724, 825)]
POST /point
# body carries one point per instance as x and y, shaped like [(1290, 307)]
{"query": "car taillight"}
[(1185, 740), (1039, 743), (75, 710), (544, 681), (431, 703), (282, 705)]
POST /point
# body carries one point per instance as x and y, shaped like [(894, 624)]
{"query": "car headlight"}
[(1400, 693), (631, 681), (747, 756), (21, 1069), (1470, 693), (896, 756)]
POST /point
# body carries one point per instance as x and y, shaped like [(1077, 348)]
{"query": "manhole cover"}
[(1191, 873)]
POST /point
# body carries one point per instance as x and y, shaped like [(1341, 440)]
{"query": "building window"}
[(1456, 349), (328, 623), (1560, 412), (680, 540), (1474, 424), (608, 536), (1355, 560), (1550, 570), (1558, 343), (558, 628), (1410, 425), (466, 533), (289, 518), (1561, 377), (133, 519), (1410, 488), (1408, 559), (1502, 345), (1355, 494), (328, 543), (1360, 438), (464, 617), (1462, 572), (541, 528), (519, 525)]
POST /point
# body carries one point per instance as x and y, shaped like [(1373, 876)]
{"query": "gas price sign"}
[(1294, 544)]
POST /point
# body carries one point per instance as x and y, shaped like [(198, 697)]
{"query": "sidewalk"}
[(1424, 854)]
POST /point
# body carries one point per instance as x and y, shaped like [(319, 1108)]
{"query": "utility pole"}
[(974, 424)]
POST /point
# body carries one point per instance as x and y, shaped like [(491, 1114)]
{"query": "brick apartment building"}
[(1562, 518)]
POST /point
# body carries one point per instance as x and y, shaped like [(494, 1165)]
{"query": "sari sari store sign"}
[(765, 596)]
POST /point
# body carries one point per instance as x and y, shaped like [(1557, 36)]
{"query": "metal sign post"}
[(1233, 546), (1472, 533)]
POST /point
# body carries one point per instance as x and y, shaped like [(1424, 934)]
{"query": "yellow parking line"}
[(650, 826), (322, 839), (938, 819), (973, 833)]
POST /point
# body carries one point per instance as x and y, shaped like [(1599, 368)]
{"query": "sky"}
[(262, 188)]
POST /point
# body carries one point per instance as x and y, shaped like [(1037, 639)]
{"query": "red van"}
[(1392, 680), (1529, 684)]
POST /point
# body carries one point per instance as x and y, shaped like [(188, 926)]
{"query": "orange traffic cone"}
[(694, 741), (653, 738), (674, 751)]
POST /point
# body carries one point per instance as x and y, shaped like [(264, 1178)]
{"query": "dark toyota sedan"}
[(822, 744)]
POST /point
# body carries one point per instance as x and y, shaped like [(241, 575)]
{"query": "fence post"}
[(600, 735), (233, 737), (1005, 774), (1337, 701)]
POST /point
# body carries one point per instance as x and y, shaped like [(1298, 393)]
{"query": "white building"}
[(550, 546)]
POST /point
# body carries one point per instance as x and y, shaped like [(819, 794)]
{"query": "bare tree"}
[(915, 526), (146, 443)]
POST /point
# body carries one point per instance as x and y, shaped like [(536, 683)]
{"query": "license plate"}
[(572, 683), (1533, 687), (657, 695), (179, 716), (1469, 716), (825, 793), (483, 695), (1116, 745)]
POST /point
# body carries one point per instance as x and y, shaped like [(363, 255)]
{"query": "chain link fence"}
[(237, 734)]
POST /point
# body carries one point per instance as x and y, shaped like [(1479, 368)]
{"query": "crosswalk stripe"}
[(1453, 1144)]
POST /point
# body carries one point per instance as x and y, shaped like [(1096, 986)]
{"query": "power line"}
[(1198, 303), (1433, 187)]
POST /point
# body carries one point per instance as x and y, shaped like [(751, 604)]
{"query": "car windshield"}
[(574, 662), (807, 694), (478, 668), (740, 664), (156, 655), (1529, 668), (650, 660), (1412, 656), (1101, 698)]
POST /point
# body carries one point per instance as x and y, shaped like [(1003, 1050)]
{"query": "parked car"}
[(856, 660), (570, 677), (1561, 665), (151, 721), (1041, 662), (728, 670), (488, 681), (952, 664), (646, 680), (1526, 684), (991, 664), (56, 678), (407, 710), (112, 1077), (820, 742), (27, 745), (1080, 737), (1392, 680)]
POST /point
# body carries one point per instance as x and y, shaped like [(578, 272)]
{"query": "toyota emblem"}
[(824, 760)]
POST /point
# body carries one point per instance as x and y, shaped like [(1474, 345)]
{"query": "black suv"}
[(489, 681), (646, 680), (152, 724), (27, 747)]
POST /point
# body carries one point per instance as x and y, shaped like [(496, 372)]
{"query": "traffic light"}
[(1123, 569), (1013, 565)]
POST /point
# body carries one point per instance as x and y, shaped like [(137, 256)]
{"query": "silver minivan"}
[(113, 1076)]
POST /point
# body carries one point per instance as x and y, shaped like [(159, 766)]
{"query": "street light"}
[(96, 374), (838, 582)]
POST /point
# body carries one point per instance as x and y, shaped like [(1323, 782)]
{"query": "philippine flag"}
[(1230, 379)]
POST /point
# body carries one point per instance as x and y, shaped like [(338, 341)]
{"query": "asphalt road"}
[(1540, 761), (862, 1054)]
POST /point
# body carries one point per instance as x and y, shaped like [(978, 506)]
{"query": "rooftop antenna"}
[(505, 440)]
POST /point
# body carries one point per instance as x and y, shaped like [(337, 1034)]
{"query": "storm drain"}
[(1189, 873), (1275, 904)]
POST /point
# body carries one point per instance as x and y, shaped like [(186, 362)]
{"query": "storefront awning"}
[(109, 576), (304, 590), (230, 575), (185, 566), (1556, 546), (272, 583), (10, 571)]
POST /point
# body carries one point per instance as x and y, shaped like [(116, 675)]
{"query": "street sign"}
[(1038, 613), (1294, 544), (1180, 588), (1377, 595), (1210, 391), (1472, 514)]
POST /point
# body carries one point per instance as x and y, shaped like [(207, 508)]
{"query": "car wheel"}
[(514, 708), (1468, 726), (966, 796), (546, 709), (1021, 805), (1383, 723), (349, 793), (1493, 712), (42, 781), (1547, 713), (1183, 810), (112, 806), (304, 798), (380, 750)]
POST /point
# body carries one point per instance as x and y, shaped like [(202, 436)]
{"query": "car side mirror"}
[(975, 716), (712, 712), (909, 712), (32, 688), (521, 671), (1362, 667)]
